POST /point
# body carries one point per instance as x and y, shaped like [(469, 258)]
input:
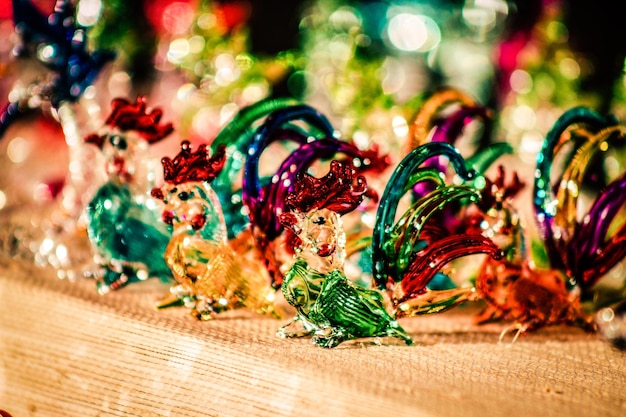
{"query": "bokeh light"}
[(177, 18), (88, 12), (413, 32)]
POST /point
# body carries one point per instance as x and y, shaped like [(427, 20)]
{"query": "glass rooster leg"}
[(115, 275), (201, 307), (300, 326), (516, 328)]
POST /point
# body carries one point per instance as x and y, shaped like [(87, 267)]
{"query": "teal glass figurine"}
[(211, 275), (124, 224), (328, 305)]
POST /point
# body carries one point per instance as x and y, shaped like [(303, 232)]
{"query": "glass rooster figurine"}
[(584, 247), (65, 70), (579, 201), (124, 224), (211, 276), (60, 43), (265, 197), (409, 253), (328, 304), (529, 297)]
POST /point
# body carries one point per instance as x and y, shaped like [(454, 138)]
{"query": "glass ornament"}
[(396, 243), (124, 224), (420, 244), (328, 305), (60, 45), (513, 290), (237, 136), (211, 276), (264, 198), (580, 246), (280, 126)]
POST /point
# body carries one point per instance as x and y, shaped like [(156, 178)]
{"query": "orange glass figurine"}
[(512, 289), (211, 276)]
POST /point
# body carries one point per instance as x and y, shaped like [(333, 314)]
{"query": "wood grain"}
[(66, 351)]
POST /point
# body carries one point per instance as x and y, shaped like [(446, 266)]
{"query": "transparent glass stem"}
[(64, 244), (81, 176)]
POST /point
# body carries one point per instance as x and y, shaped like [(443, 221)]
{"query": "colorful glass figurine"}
[(211, 276), (420, 244), (409, 252), (530, 298), (237, 136), (583, 249), (265, 199), (124, 224), (328, 305), (60, 44)]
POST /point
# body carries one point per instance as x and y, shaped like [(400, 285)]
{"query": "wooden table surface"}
[(67, 351)]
